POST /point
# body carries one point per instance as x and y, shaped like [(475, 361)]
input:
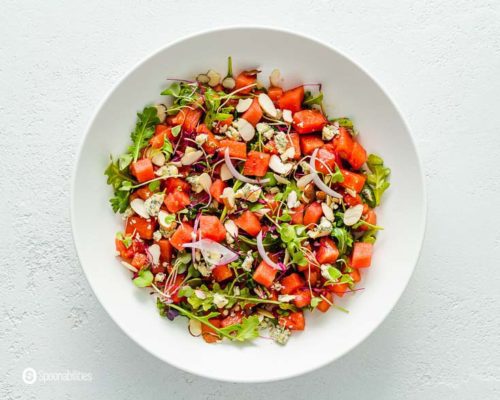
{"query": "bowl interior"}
[(349, 91)]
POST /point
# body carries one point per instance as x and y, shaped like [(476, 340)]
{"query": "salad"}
[(245, 207)]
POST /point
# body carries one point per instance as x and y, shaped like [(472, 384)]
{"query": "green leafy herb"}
[(125, 239), (124, 161), (144, 278), (143, 131), (315, 301), (345, 122), (292, 236), (310, 99), (118, 179), (176, 130), (377, 179), (344, 239), (154, 186)]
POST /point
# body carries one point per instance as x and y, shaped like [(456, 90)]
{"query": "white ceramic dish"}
[(350, 91)]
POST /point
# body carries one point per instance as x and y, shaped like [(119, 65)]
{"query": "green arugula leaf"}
[(344, 239), (125, 239), (315, 301), (144, 278), (377, 179), (176, 130), (248, 329), (144, 130), (345, 122), (124, 161), (154, 186), (173, 90), (117, 179), (310, 99)]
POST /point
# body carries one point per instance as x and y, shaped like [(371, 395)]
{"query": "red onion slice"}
[(318, 181), (263, 254), (208, 245), (236, 174)]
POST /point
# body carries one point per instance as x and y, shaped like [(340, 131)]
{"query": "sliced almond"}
[(194, 327), (191, 157), (205, 182), (154, 251), (129, 266), (353, 214), (245, 128), (265, 313), (214, 78), (278, 166), (275, 77), (161, 112), (287, 116), (138, 206), (158, 159), (267, 105), (303, 181), (327, 212), (243, 105), (229, 196), (225, 174)]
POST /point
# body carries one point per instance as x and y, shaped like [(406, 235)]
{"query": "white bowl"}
[(349, 90)]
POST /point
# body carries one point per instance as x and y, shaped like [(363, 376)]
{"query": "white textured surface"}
[(440, 62)]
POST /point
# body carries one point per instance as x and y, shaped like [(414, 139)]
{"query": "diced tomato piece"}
[(327, 252), (192, 119), (313, 213), (358, 156), (236, 149), (265, 274), (271, 202), (177, 119), (294, 141), (308, 121), (343, 143), (355, 275), (270, 147), (254, 112), (308, 143), (302, 298), (208, 333), (216, 189), (292, 99), (165, 250), (352, 201), (182, 235), (212, 228), (139, 260), (339, 289), (275, 93), (212, 144), (325, 160), (245, 79), (362, 255), (176, 201), (291, 283), (312, 275), (143, 170), (371, 218), (144, 192), (177, 185), (142, 226), (221, 273), (249, 222), (298, 215), (323, 305), (294, 321), (232, 319), (257, 164), (157, 140), (352, 180), (125, 253)]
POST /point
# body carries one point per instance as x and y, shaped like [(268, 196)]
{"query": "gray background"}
[(439, 60)]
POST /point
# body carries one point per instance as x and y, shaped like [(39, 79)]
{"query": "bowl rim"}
[(270, 29)]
